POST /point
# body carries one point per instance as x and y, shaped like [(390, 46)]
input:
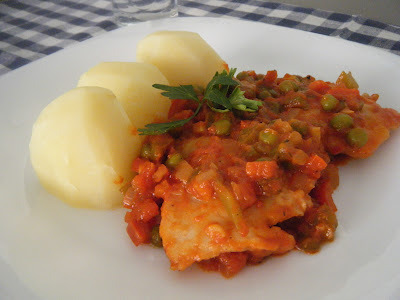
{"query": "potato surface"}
[(82, 148), (182, 56), (132, 85)]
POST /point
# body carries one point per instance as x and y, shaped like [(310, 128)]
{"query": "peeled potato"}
[(82, 148), (182, 56), (132, 85)]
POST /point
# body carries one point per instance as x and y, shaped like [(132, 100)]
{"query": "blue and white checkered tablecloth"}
[(31, 29)]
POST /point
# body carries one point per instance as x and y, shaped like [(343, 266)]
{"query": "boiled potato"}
[(82, 148), (182, 56), (132, 85)]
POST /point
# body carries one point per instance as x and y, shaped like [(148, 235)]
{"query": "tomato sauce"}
[(271, 171)]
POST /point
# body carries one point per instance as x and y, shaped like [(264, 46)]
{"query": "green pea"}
[(268, 137), (357, 137), (341, 121), (242, 75), (287, 86), (156, 240), (264, 94), (222, 127), (173, 160), (329, 102), (147, 151)]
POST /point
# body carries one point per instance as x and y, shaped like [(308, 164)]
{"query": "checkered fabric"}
[(31, 29)]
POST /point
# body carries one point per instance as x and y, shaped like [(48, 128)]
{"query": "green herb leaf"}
[(178, 92), (217, 90), (222, 78), (160, 128), (218, 97), (240, 102), (216, 94)]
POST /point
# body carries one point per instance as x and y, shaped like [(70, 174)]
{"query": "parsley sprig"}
[(222, 94)]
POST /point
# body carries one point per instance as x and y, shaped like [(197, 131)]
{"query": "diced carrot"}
[(134, 131), (228, 264), (231, 263), (270, 78), (176, 106), (252, 73), (161, 189), (139, 232), (144, 180), (314, 166), (146, 210), (245, 124), (244, 193), (179, 105), (319, 86), (147, 169), (341, 92), (183, 114), (335, 144), (129, 197), (201, 185), (160, 174), (262, 169), (137, 163), (199, 127)]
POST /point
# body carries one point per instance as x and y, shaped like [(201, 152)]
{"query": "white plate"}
[(49, 250)]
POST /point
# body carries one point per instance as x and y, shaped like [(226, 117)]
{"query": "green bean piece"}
[(264, 94), (264, 159), (348, 80), (297, 102), (357, 137), (222, 127), (341, 121), (173, 160), (156, 240), (287, 86), (310, 245), (300, 126), (329, 102), (147, 151), (273, 93), (260, 76), (251, 153), (274, 106), (268, 137), (242, 75)]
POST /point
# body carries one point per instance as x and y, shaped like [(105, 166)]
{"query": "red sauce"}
[(248, 159)]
